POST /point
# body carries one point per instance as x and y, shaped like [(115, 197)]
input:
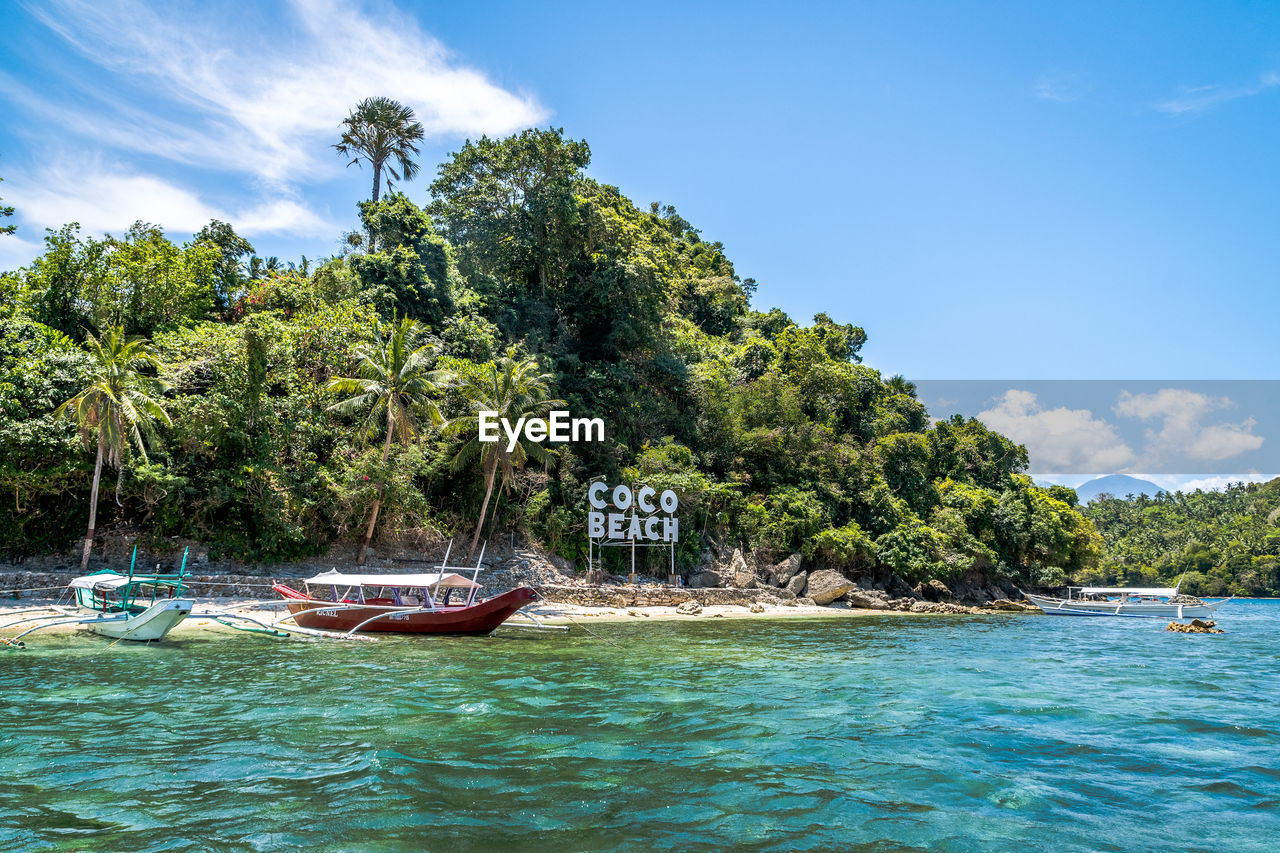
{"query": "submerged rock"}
[(1197, 626)]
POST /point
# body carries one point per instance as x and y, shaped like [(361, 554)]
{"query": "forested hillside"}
[(774, 434), (1225, 542)]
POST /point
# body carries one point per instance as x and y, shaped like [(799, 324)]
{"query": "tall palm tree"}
[(385, 133), (393, 382), (514, 389), (115, 408)]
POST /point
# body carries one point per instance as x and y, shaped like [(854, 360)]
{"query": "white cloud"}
[(270, 107), (253, 106), (17, 251), (110, 198), (1058, 439), (1182, 429), (1062, 88), (1203, 97), (1205, 482)]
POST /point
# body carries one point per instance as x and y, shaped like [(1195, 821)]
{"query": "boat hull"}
[(1159, 610), (148, 626), (481, 618)]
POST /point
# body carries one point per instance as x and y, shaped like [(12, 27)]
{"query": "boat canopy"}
[(433, 580), (101, 579), (1162, 592), (111, 580)]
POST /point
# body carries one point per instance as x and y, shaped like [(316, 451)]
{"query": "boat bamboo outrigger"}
[(1156, 602), (440, 602)]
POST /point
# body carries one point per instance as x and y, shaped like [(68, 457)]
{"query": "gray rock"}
[(706, 579), (825, 586), (689, 608), (867, 599), (756, 607), (796, 585), (741, 574), (787, 569)]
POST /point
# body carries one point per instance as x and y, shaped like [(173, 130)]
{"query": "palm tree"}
[(115, 408), (381, 131), (392, 382), (513, 389)]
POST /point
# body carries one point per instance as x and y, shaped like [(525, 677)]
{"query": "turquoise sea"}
[(955, 733)]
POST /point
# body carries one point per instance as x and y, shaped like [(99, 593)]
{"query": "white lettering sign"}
[(647, 523)]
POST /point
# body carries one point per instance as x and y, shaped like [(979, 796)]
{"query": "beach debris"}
[(689, 608), (825, 586), (1197, 626), (756, 607)]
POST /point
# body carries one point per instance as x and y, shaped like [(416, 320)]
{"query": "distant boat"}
[(1158, 602)]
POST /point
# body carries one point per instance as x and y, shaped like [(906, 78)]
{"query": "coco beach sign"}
[(635, 517)]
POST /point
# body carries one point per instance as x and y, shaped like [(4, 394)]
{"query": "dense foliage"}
[(1225, 542), (774, 433)]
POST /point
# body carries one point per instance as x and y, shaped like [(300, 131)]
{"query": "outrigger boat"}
[(1157, 602), (439, 602), (143, 608)]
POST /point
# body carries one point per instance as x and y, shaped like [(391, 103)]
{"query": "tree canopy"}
[(775, 434)]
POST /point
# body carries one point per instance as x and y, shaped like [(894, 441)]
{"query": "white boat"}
[(144, 608), (1155, 602)]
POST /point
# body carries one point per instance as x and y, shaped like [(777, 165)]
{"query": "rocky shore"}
[(737, 580)]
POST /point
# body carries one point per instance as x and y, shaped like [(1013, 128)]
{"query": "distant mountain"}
[(1116, 485)]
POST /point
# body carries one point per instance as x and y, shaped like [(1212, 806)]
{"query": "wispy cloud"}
[(1062, 88), (1204, 97), (236, 101)]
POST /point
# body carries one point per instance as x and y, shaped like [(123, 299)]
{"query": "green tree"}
[(230, 265), (5, 212), (116, 408), (385, 133), (510, 388), (394, 383)]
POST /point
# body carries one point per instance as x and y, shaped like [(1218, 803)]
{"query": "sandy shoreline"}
[(17, 616)]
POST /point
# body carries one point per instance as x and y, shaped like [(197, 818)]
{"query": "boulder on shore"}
[(756, 607), (867, 599), (706, 579), (825, 586), (787, 569), (689, 608), (740, 573), (796, 585), (1197, 626), (934, 590)]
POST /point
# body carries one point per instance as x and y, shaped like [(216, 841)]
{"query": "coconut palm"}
[(512, 388), (385, 133), (395, 384), (115, 408)]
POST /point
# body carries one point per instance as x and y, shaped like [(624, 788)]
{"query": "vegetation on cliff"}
[(776, 436)]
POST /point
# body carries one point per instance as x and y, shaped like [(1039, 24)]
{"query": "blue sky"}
[(1078, 191)]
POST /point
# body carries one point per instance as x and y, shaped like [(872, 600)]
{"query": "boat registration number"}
[(399, 617), (326, 613)]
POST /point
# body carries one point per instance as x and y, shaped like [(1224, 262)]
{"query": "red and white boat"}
[(439, 602)]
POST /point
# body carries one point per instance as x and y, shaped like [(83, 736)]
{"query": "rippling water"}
[(879, 732)]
